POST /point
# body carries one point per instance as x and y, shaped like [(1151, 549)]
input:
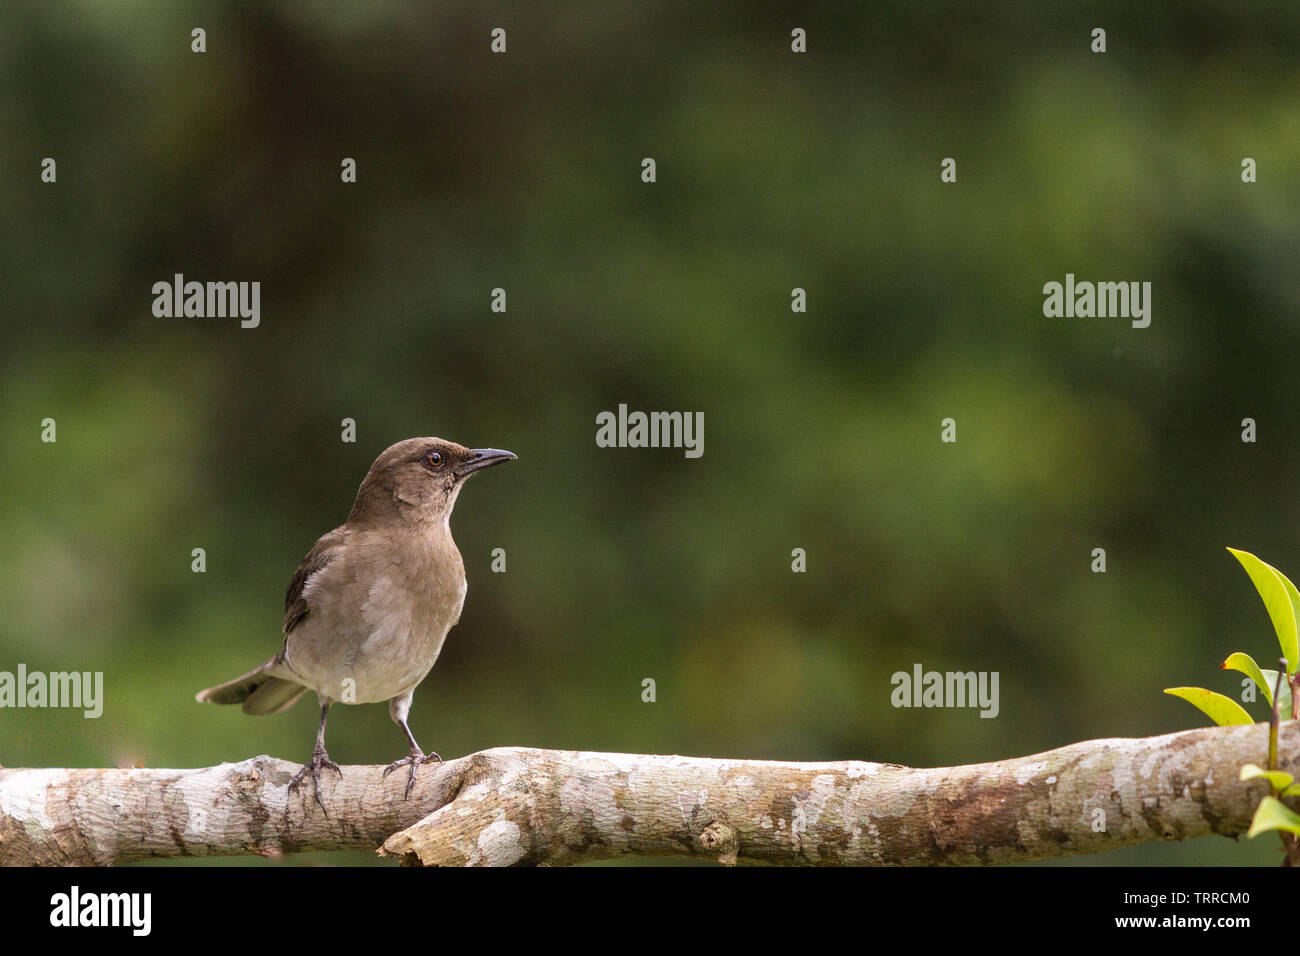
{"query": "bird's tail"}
[(261, 691)]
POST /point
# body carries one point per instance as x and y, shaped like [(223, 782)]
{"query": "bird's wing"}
[(327, 548)]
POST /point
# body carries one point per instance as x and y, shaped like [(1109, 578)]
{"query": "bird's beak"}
[(483, 458)]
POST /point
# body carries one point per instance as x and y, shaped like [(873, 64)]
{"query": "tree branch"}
[(514, 805)]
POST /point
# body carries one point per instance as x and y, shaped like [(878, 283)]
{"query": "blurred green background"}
[(775, 170)]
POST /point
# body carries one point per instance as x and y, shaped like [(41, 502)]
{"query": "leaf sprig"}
[(1282, 601)]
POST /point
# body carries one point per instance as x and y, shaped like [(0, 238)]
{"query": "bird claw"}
[(319, 758), (414, 758)]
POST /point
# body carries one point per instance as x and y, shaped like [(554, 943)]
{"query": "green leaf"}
[(1222, 710), (1272, 814), (1292, 655), (1278, 778), (1281, 600), (1270, 680), (1290, 791), (1246, 664)]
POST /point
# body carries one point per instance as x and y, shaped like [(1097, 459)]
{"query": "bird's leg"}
[(398, 709), (319, 758)]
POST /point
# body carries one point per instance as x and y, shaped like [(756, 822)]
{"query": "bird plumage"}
[(368, 610)]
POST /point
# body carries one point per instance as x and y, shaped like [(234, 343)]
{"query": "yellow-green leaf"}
[(1272, 587), (1278, 778), (1290, 791), (1272, 814), (1222, 710), (1246, 664), (1292, 654)]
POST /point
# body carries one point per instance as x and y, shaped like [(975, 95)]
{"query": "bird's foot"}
[(414, 758), (319, 759)]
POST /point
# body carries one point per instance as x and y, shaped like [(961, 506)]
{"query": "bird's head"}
[(419, 479)]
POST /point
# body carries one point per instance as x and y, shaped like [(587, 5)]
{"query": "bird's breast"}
[(405, 596), (410, 606)]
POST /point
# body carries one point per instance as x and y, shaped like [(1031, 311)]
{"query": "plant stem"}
[(1273, 719), (1290, 845)]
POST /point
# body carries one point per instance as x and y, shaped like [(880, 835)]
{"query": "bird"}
[(368, 610)]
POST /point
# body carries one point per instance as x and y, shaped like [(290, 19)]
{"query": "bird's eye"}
[(433, 459)]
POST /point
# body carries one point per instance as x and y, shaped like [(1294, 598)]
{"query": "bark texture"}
[(514, 805)]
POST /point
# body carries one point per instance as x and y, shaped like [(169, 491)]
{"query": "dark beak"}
[(483, 458)]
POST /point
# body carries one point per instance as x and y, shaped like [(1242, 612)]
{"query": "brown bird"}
[(368, 609)]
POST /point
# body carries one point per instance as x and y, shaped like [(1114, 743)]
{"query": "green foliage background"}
[(775, 171)]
